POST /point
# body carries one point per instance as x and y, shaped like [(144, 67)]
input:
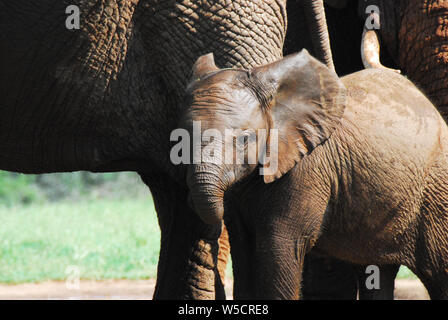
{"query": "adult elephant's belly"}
[(57, 118), (66, 98), (46, 154)]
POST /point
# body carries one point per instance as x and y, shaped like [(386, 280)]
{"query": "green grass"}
[(105, 239), (405, 273)]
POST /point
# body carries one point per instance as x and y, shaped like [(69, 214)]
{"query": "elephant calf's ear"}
[(204, 64), (307, 103)]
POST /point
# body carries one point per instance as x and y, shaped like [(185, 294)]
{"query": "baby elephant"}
[(354, 167)]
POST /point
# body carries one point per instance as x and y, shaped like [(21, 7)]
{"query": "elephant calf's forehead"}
[(224, 100), (224, 87), (225, 80)]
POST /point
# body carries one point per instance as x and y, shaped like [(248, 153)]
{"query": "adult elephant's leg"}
[(326, 278), (386, 282), (188, 263)]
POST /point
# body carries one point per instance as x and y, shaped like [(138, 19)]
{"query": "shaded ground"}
[(143, 289), (407, 289)]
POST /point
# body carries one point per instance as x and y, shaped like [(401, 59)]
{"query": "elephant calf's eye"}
[(245, 138)]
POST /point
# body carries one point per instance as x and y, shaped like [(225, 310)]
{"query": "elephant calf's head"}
[(268, 117)]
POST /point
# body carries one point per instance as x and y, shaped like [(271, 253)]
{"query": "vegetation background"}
[(95, 226)]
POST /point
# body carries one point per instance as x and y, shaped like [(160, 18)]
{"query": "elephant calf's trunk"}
[(209, 207), (207, 194)]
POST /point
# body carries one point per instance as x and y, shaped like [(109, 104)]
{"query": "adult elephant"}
[(106, 96), (413, 35)]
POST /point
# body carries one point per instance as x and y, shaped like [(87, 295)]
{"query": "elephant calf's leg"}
[(278, 267), (326, 278)]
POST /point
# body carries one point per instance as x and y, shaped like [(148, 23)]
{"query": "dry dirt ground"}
[(143, 289)]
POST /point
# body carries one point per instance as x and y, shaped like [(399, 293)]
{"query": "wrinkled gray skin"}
[(107, 96), (362, 171)]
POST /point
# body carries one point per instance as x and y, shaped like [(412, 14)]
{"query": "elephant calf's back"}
[(389, 107), (390, 140)]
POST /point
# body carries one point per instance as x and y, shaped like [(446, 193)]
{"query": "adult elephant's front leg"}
[(188, 258)]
